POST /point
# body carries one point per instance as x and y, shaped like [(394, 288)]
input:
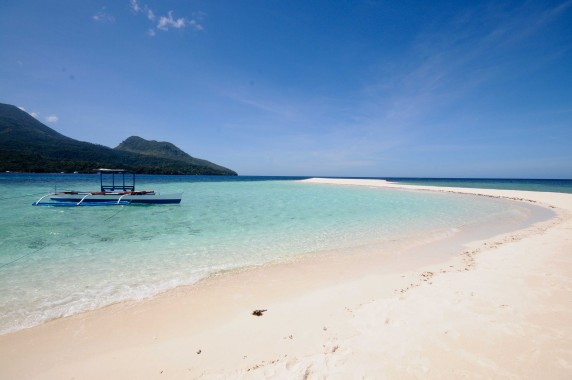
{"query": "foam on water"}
[(75, 259)]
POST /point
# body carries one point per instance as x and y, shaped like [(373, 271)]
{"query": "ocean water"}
[(551, 185), (57, 262)]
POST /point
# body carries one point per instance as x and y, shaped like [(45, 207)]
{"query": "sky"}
[(363, 88)]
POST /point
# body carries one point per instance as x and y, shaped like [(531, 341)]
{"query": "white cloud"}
[(51, 119), (135, 7), (103, 17), (168, 21), (33, 114), (164, 23), (194, 24)]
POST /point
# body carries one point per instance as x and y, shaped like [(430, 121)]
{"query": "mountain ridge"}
[(27, 145), (163, 149)]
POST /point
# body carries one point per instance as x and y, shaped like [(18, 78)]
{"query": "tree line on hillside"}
[(11, 161), (27, 145)]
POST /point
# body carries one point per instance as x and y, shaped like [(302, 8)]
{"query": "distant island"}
[(27, 145)]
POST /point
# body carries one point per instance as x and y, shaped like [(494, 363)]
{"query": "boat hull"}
[(132, 199)]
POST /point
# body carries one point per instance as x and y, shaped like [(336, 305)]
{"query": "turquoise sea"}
[(57, 262), (552, 185)]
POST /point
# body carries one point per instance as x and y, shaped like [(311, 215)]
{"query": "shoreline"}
[(318, 323)]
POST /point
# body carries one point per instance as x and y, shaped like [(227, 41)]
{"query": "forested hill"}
[(163, 149), (27, 145)]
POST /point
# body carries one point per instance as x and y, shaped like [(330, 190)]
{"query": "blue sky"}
[(333, 88)]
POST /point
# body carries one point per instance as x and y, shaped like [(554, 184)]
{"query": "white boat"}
[(117, 187)]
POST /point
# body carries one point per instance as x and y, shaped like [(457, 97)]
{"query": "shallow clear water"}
[(60, 261)]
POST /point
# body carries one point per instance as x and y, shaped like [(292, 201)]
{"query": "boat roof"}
[(111, 171), (113, 182)]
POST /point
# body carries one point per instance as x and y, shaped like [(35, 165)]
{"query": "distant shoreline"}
[(542, 184)]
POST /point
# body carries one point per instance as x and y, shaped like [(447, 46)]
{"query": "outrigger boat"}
[(117, 187)]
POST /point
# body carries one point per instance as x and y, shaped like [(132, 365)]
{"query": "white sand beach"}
[(500, 308)]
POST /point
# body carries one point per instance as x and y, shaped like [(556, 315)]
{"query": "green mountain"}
[(27, 145), (163, 149), (151, 150)]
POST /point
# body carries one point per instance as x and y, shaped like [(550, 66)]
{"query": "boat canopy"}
[(115, 180)]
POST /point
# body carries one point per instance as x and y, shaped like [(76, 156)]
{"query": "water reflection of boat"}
[(117, 187)]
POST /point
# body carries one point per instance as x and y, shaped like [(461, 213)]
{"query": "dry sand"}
[(501, 308)]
